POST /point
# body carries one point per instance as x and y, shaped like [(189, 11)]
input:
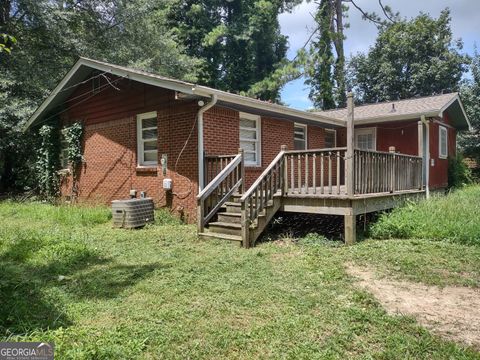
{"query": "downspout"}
[(201, 158), (426, 155)]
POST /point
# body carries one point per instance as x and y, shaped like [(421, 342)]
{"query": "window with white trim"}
[(366, 138), (442, 142), (300, 137), (330, 138), (147, 135), (250, 138)]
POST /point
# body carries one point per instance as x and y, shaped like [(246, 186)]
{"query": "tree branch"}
[(367, 16), (387, 15)]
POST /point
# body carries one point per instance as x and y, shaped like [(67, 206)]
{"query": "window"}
[(300, 137), (63, 150), (443, 142), (330, 138), (366, 138), (250, 138), (147, 152)]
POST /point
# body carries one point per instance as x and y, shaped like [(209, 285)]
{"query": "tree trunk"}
[(339, 72), (5, 6)]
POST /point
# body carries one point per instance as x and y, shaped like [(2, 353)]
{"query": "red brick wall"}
[(221, 132), (110, 143), (110, 146), (315, 137)]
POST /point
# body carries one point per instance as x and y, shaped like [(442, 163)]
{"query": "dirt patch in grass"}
[(451, 312)]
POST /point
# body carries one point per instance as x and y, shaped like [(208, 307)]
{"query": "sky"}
[(298, 24)]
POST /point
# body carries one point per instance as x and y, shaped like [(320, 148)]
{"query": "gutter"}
[(201, 157)]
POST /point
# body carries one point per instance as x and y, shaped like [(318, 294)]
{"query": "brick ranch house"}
[(140, 128)]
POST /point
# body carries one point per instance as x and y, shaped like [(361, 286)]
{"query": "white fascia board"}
[(137, 76), (263, 105), (140, 77), (384, 119), (446, 106)]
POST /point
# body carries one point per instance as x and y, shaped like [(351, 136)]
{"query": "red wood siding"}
[(439, 167), (402, 135)]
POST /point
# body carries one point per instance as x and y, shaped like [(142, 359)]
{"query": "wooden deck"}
[(338, 181)]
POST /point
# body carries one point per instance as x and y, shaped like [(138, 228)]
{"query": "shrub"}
[(459, 174)]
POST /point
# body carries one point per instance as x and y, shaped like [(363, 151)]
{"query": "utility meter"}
[(167, 184)]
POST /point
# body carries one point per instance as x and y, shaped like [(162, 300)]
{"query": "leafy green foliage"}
[(409, 58), (239, 41), (459, 174), (73, 136), (7, 42), (48, 162), (51, 35), (453, 217), (470, 94)]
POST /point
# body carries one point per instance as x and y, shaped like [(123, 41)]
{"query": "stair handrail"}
[(246, 198), (236, 165)]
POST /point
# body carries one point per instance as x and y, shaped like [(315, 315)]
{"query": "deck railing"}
[(381, 172), (220, 189), (214, 164), (319, 171), (256, 198)]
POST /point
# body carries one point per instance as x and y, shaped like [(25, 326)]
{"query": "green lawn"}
[(158, 292)]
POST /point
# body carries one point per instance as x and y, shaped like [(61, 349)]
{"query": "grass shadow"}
[(33, 293), (110, 281)]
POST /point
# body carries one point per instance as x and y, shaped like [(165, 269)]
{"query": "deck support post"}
[(350, 225), (349, 160)]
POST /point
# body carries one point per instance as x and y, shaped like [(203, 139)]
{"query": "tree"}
[(470, 94), (321, 60), (51, 36), (409, 58), (324, 71), (239, 41)]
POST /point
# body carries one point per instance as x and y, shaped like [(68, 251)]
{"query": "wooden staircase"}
[(227, 212), (227, 224)]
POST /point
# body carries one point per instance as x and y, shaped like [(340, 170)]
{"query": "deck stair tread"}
[(226, 225), (232, 214), (220, 236)]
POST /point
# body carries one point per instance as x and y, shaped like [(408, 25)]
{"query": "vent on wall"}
[(132, 213)]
